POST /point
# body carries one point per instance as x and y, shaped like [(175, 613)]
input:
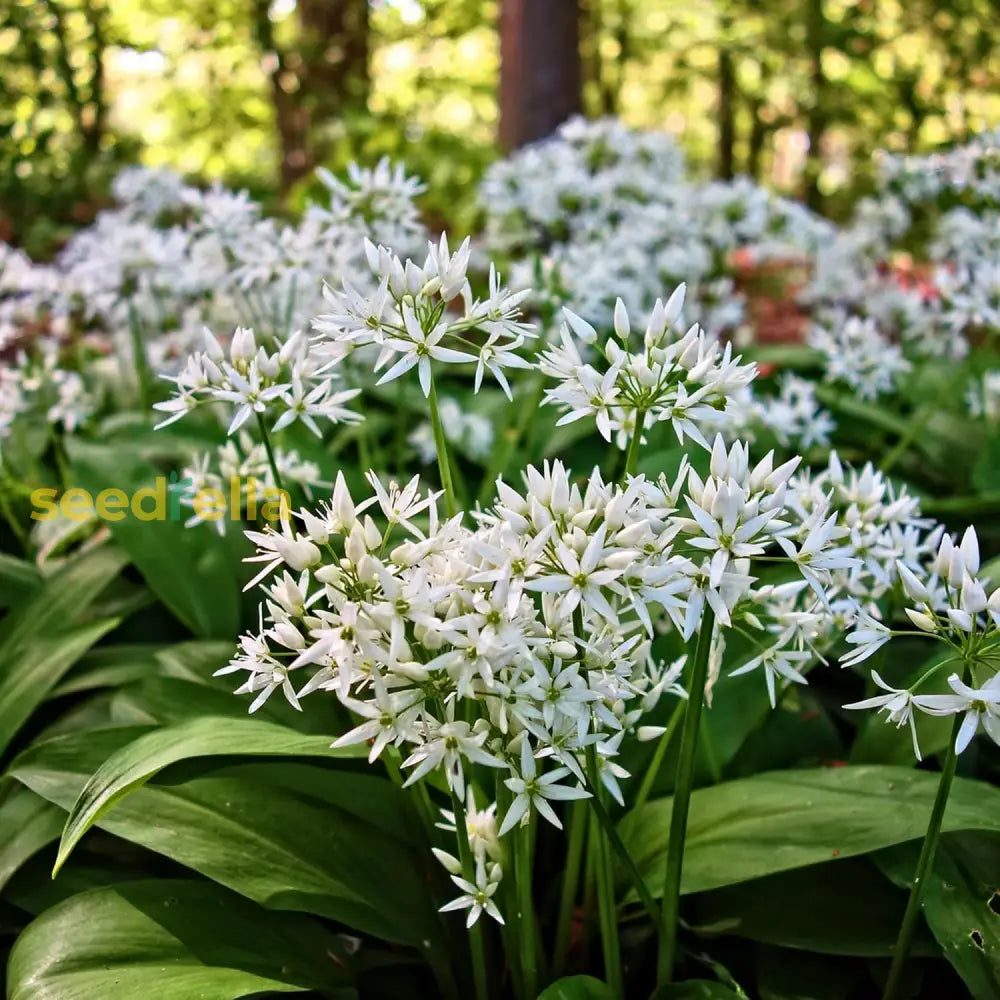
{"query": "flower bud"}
[(922, 621), (622, 326), (912, 587), (451, 864)]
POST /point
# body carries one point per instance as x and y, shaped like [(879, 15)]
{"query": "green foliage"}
[(217, 91), (173, 939), (774, 822)]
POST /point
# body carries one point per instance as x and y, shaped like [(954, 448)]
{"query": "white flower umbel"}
[(287, 383), (857, 353), (238, 477), (682, 379), (422, 315), (949, 603)]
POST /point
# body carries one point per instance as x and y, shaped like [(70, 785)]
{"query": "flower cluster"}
[(243, 465), (409, 317), (251, 381), (950, 603), (683, 380), (793, 416), (600, 211), (855, 352), (523, 645)]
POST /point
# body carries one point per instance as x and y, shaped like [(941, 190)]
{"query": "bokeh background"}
[(258, 93)]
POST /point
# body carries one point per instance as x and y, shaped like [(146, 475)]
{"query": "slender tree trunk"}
[(334, 66), (96, 113), (727, 112), (316, 82), (540, 68), (758, 135), (816, 120), (290, 117)]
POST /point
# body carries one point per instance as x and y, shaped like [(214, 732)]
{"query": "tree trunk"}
[(316, 81), (540, 68), (758, 134), (95, 116), (816, 120), (727, 112), (334, 68)]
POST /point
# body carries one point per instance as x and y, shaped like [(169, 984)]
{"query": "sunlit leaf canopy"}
[(217, 89)]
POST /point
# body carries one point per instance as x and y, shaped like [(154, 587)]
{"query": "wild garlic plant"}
[(280, 386), (506, 654), (422, 314), (947, 601)]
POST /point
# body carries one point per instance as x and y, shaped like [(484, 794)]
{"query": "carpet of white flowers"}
[(610, 577)]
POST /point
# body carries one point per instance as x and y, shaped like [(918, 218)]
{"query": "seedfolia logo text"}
[(168, 499)]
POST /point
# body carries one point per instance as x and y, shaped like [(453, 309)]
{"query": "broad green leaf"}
[(172, 940), (794, 356), (27, 823), (111, 665), (191, 570), (33, 889), (170, 700), (838, 908), (17, 579), (29, 674), (196, 659), (774, 822), (208, 736), (961, 903), (286, 834), (62, 599), (577, 988)]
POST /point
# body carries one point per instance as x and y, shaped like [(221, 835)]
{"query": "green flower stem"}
[(441, 447), (265, 436), (925, 864), (11, 518), (508, 902), (526, 909), (140, 361), (476, 944), (632, 456), (61, 458), (917, 425), (605, 893), (670, 911), (614, 839), (364, 447), (652, 772), (570, 884)]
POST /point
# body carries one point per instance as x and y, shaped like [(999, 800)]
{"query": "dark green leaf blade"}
[(27, 823), (173, 940), (30, 673), (208, 736), (960, 903), (577, 988), (169, 556), (772, 822)]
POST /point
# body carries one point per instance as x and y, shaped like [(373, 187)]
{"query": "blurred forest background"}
[(259, 92)]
